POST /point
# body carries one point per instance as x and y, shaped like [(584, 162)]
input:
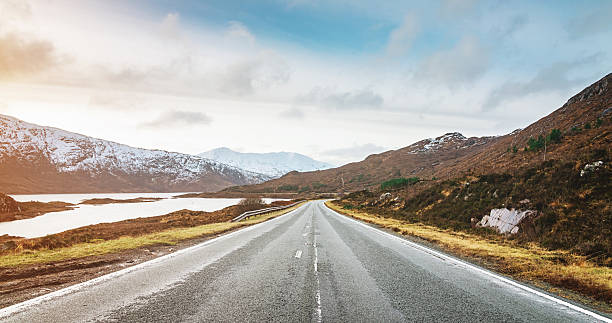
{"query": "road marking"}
[(480, 270), (298, 254), (305, 234), (316, 273), (19, 307)]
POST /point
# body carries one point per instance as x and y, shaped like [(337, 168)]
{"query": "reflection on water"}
[(85, 215)]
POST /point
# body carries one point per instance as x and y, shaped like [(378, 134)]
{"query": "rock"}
[(385, 196), (504, 220), (591, 167), (525, 201), (606, 111)]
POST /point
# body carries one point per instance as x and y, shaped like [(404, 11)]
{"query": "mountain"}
[(271, 164), (583, 122), (37, 159), (418, 159)]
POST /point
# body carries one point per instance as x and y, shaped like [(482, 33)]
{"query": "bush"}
[(587, 125), (598, 122), (537, 144), (251, 201), (398, 182), (554, 136), (288, 187)]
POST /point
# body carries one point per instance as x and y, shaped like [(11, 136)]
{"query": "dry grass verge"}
[(100, 246), (556, 271)]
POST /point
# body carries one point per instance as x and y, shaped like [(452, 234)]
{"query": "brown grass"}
[(555, 270), (100, 246)]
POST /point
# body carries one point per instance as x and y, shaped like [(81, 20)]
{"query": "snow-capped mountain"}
[(49, 160), (451, 140), (271, 164)]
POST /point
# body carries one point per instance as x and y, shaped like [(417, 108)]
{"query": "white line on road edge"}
[(298, 254), (316, 273), (7, 311), (486, 272)]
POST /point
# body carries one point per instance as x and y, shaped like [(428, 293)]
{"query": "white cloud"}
[(464, 63), (354, 153), (552, 78), (331, 98), (293, 113), (238, 31), (21, 57), (169, 26), (178, 118), (401, 38)]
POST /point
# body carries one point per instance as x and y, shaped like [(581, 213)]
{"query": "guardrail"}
[(262, 211)]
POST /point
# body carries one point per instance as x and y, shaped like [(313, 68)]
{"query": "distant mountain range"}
[(37, 159), (453, 155), (271, 164)]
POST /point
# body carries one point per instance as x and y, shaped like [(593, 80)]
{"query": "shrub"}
[(251, 201), (554, 136), (598, 122), (536, 144), (317, 185), (398, 182), (288, 187), (587, 125)]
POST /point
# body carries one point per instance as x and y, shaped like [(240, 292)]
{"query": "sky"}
[(336, 80)]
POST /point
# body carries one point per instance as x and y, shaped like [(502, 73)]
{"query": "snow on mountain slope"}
[(272, 164), (24, 143), (452, 140)]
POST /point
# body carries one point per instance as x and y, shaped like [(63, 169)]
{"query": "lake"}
[(84, 215)]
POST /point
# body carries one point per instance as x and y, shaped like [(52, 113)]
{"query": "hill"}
[(580, 122), (37, 159)]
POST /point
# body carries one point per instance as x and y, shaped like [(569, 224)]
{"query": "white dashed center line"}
[(298, 254)]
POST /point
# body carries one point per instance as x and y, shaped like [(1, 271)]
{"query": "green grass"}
[(396, 183)]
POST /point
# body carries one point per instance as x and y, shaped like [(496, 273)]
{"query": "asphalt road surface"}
[(311, 264)]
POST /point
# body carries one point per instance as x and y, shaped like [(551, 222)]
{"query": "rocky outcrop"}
[(504, 220), (8, 204), (597, 88)]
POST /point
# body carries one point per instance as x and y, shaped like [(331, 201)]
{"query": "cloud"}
[(551, 78), (595, 22), (293, 113), (14, 10), (357, 152), (247, 76), (177, 118), (237, 30), (513, 25), (20, 57), (451, 8), (463, 63), (169, 27), (342, 100), (401, 38)]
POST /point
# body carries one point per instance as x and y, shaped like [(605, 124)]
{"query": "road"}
[(311, 264)]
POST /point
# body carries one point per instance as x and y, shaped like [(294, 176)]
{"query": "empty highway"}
[(310, 265)]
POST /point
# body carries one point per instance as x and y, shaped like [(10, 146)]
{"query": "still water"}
[(84, 215)]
